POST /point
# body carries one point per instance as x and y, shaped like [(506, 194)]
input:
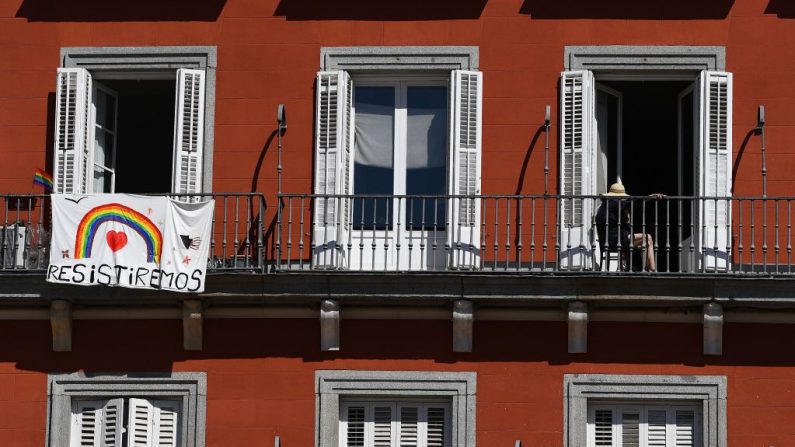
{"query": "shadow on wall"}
[(375, 10), (781, 8), (105, 11), (631, 9)]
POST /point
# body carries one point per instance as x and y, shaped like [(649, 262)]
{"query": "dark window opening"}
[(145, 140)]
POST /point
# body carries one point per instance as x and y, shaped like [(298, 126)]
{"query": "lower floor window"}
[(131, 422), (393, 424), (127, 409), (638, 425)]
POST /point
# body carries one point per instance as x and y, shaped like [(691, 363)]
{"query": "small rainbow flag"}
[(43, 178)]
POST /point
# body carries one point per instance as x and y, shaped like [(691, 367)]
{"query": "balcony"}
[(489, 234), (692, 236), (236, 246)]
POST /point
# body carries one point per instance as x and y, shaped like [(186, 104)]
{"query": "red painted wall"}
[(260, 383), (269, 52)]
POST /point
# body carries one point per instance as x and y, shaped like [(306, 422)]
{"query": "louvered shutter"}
[(72, 160), (630, 429), (189, 132), (463, 231), (715, 169), (603, 428), (139, 423), (578, 154), (96, 423), (436, 431), (165, 431), (409, 426), (354, 425), (333, 169), (656, 435), (685, 428), (382, 426)]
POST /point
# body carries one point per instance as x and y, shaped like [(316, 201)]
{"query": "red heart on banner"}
[(116, 239)]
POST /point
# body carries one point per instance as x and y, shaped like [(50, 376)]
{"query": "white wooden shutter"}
[(656, 428), (96, 423), (437, 426), (715, 169), (189, 132), (72, 156), (153, 423), (165, 430), (464, 166), (409, 430), (685, 428), (603, 428), (383, 425), (354, 426), (139, 423), (630, 428), (578, 154), (333, 169)]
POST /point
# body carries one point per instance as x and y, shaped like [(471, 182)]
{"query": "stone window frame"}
[(332, 386), (154, 62), (373, 59), (636, 59), (188, 387), (707, 391)]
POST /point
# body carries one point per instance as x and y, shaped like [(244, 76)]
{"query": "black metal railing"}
[(535, 233), (237, 231)]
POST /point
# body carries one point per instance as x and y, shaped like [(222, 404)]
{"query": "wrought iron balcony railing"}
[(489, 233), (237, 232), (555, 234)]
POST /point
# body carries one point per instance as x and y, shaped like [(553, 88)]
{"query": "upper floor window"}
[(395, 423), (131, 120), (661, 121), (644, 425), (392, 145)]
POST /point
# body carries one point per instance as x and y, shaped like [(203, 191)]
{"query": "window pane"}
[(374, 171), (426, 153), (630, 429), (355, 427), (103, 157)]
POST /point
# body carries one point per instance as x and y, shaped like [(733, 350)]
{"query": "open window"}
[(664, 133), (397, 170), (129, 130)]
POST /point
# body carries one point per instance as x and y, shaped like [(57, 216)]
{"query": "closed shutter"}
[(382, 426), (656, 431), (436, 433), (715, 168), (643, 426), (354, 425), (603, 428), (333, 169), (577, 159), (395, 424), (409, 426), (72, 159), (96, 423), (685, 429), (189, 132), (463, 231)]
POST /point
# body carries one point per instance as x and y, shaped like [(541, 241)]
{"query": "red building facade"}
[(414, 257)]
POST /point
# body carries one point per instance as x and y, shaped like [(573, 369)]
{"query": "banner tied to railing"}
[(130, 241)]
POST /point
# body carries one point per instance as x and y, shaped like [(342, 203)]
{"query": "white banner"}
[(130, 241)]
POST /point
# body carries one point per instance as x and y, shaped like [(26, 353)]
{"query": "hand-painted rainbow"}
[(114, 212)]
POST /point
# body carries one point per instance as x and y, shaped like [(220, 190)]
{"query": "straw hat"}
[(616, 190)]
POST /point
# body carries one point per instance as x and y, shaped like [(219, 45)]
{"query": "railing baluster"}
[(519, 234)]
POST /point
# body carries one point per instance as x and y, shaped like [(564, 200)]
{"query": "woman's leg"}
[(648, 245)]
